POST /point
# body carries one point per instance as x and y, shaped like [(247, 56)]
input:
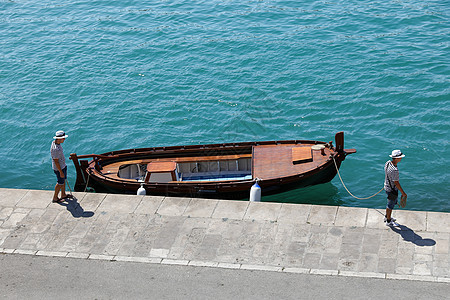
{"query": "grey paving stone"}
[(329, 261), (386, 265), (348, 264), (371, 242), (120, 203), (36, 199), (442, 246), (14, 238), (322, 215), (5, 212), (91, 201), (202, 232), (332, 243), (231, 210), (316, 243), (13, 220), (351, 216), (10, 197), (168, 232), (4, 233), (368, 262), (413, 220), (262, 211), (422, 269), (149, 205), (312, 260), (294, 213), (200, 208), (30, 242), (437, 221), (173, 206), (350, 251), (375, 218), (353, 235), (96, 234)]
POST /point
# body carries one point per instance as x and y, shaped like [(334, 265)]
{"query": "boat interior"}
[(265, 162), (192, 169)]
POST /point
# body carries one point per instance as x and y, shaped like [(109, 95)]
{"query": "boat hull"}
[(89, 174), (231, 190)]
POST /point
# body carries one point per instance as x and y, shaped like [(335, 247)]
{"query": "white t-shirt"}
[(56, 152)]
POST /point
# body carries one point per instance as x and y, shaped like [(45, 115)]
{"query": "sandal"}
[(58, 200)]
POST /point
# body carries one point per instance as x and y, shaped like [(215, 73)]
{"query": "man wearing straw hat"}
[(59, 166), (392, 185)]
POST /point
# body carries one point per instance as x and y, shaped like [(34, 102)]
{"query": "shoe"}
[(392, 219), (392, 223)]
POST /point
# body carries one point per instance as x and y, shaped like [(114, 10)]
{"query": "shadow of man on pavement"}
[(410, 236), (75, 208)]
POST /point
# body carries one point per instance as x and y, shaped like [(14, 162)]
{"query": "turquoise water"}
[(125, 74)]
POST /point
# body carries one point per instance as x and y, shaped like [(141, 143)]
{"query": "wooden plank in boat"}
[(161, 166), (301, 155), (275, 161)]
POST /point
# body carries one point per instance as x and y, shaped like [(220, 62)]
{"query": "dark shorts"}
[(60, 180), (393, 201)]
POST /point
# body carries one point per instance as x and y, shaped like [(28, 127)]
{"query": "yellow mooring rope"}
[(337, 169)]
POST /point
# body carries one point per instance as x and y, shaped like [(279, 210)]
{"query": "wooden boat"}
[(225, 171)]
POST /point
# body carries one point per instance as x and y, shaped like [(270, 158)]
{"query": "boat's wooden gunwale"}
[(205, 147)]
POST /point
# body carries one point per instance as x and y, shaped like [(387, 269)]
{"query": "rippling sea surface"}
[(128, 74)]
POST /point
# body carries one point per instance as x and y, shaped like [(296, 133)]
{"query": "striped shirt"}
[(391, 175), (56, 152)]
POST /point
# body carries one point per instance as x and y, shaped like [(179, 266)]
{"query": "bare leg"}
[(63, 190), (57, 189), (388, 214)]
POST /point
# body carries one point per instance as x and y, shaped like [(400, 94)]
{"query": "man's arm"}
[(399, 187), (61, 173)]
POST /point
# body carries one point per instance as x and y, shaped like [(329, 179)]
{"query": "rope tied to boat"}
[(87, 183), (337, 169)]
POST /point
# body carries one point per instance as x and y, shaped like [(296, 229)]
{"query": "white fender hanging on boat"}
[(255, 192), (141, 190)]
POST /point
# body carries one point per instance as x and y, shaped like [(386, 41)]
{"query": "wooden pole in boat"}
[(80, 181)]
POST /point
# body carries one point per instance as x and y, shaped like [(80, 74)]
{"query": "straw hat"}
[(397, 154), (60, 135)]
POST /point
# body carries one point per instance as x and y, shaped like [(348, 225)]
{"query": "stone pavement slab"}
[(201, 208), (120, 203), (231, 209), (294, 213), (36, 199), (10, 197), (313, 239), (267, 212), (438, 222), (173, 206), (351, 216)]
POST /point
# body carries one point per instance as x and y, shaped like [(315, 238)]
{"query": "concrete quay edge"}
[(211, 264), (276, 237)]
